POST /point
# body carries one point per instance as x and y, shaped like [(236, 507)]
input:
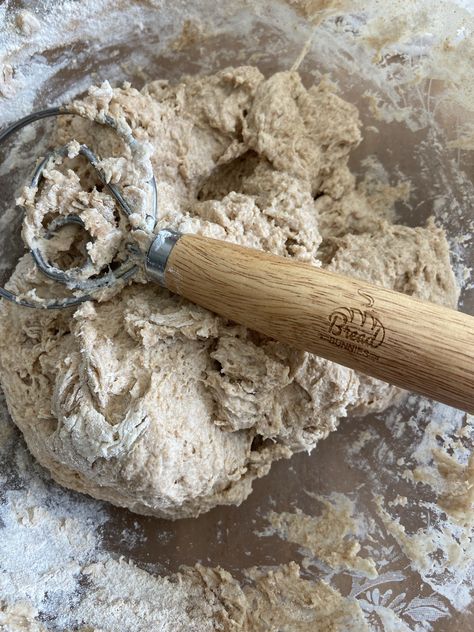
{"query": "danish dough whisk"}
[(413, 344)]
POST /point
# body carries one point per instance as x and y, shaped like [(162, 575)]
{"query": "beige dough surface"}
[(150, 402)]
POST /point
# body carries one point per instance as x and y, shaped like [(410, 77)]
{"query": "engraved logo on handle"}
[(356, 330), (356, 325)]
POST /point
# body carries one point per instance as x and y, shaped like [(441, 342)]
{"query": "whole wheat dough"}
[(152, 403)]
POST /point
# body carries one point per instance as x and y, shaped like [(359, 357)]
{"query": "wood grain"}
[(413, 344)]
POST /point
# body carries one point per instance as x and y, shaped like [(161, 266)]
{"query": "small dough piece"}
[(19, 617), (26, 23), (151, 402)]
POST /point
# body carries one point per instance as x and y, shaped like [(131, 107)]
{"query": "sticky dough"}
[(155, 404)]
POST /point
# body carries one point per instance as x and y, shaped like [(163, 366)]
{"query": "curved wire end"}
[(71, 278)]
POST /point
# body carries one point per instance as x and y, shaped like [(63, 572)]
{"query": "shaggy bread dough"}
[(153, 403)]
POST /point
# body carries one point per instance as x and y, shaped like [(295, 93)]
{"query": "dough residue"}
[(452, 476), (416, 546), (330, 537), (280, 599), (19, 617)]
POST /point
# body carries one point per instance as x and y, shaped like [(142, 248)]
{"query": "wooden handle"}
[(413, 344)]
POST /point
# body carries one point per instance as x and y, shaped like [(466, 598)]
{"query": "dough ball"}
[(153, 403)]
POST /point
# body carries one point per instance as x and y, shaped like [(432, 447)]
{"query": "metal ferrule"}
[(158, 253)]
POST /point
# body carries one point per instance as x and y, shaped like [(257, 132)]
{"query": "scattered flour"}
[(56, 572)]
